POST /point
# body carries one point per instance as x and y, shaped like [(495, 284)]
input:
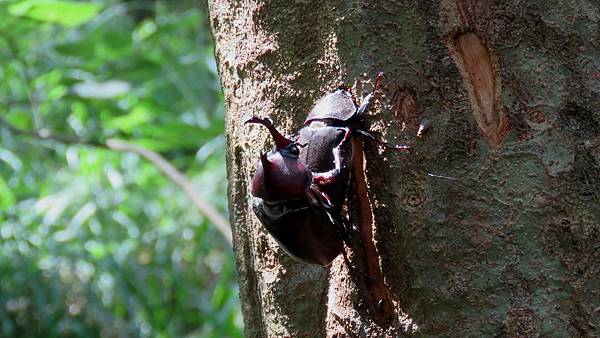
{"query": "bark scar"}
[(380, 299), (479, 69)]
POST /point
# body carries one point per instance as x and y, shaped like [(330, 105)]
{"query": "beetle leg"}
[(338, 159), (341, 224), (353, 88), (382, 142), (364, 105), (366, 102), (345, 236), (319, 198), (351, 226)]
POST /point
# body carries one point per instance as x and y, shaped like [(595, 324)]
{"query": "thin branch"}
[(45, 134), (160, 162), (176, 176)]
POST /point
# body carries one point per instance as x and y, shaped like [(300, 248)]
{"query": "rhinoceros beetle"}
[(301, 186)]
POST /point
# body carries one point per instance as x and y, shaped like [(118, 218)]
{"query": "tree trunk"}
[(490, 226)]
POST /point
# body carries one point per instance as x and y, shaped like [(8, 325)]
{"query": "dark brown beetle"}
[(301, 186), (290, 205)]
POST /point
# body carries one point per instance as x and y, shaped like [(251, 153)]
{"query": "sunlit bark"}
[(490, 226)]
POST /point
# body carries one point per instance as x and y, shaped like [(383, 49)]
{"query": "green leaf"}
[(114, 44), (7, 199), (127, 123), (20, 119), (63, 12)]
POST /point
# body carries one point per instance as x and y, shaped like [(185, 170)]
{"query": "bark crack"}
[(478, 68), (380, 299)]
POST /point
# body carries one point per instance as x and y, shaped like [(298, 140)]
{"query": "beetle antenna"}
[(280, 140)]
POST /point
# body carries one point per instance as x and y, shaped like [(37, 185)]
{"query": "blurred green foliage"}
[(94, 242)]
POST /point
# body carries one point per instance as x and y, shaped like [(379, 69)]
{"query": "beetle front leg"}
[(366, 102), (338, 159)]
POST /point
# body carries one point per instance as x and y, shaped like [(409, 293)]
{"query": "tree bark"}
[(490, 226)]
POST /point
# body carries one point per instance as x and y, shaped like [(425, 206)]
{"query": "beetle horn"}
[(280, 140), (267, 175), (266, 164)]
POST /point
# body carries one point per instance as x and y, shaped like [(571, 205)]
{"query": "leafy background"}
[(96, 242)]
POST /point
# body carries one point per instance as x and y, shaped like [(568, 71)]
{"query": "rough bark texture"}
[(510, 246)]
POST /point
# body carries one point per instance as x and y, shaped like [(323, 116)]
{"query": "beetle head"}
[(280, 175)]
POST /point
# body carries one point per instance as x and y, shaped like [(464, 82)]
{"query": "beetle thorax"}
[(338, 105)]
